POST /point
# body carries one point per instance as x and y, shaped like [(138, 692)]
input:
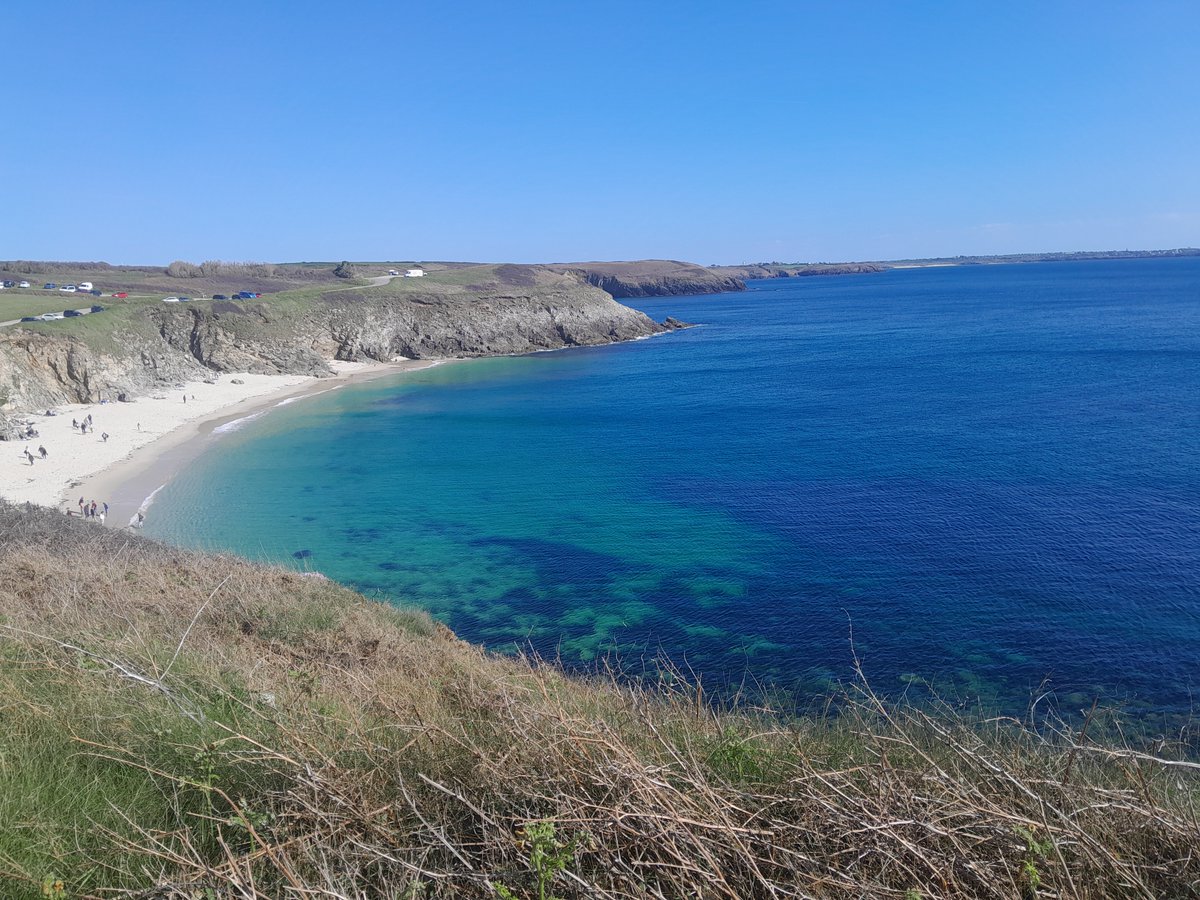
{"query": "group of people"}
[(86, 424), (92, 511)]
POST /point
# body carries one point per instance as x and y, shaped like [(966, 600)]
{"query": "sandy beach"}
[(150, 439)]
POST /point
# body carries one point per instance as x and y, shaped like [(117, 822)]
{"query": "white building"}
[(418, 272)]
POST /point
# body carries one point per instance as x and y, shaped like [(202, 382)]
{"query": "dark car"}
[(10, 284), (96, 309), (220, 297), (31, 319), (71, 313), (95, 293), (245, 295), (49, 286), (185, 299)]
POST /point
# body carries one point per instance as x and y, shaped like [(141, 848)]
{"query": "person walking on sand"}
[(141, 519), (93, 509), (42, 451), (106, 509), (104, 436), (81, 506), (29, 456), (74, 423), (185, 398)]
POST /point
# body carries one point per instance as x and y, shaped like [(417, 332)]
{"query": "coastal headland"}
[(143, 368)]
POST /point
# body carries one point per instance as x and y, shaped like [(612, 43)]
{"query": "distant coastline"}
[(750, 271)]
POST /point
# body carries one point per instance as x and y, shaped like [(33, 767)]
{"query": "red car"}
[(121, 295)]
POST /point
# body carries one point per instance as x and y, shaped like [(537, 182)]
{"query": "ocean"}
[(981, 482)]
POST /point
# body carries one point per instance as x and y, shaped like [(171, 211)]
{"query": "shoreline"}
[(127, 470)]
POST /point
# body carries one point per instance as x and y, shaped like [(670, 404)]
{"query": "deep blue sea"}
[(989, 477)]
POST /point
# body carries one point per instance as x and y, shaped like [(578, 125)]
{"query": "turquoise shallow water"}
[(991, 473)]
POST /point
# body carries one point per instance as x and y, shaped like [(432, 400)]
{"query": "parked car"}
[(219, 297), (121, 295), (31, 319), (185, 299), (23, 284), (170, 300), (85, 285), (49, 286), (9, 284), (95, 293), (246, 295), (96, 309), (68, 288), (51, 317), (71, 313)]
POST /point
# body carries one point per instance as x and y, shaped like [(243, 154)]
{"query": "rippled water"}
[(991, 473)]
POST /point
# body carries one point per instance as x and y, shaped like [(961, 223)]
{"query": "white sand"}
[(141, 432)]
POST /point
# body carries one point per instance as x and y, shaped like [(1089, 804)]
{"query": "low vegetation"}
[(178, 725)]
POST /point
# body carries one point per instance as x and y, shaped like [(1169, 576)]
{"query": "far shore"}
[(151, 439)]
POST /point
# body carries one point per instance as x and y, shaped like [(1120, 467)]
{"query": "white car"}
[(170, 300), (51, 317), (23, 284), (67, 288)]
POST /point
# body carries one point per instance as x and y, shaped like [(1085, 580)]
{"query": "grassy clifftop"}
[(181, 725)]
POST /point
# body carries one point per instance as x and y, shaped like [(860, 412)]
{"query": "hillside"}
[(179, 725), (137, 345)]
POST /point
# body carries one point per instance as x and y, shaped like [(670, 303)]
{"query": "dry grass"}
[(179, 725)]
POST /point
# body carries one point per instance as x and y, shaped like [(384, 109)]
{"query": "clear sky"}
[(139, 131)]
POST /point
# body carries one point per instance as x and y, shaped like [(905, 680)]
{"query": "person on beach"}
[(139, 425), (141, 519), (185, 398), (89, 418), (42, 451), (106, 509), (81, 506), (104, 436), (74, 423), (93, 509), (29, 456)]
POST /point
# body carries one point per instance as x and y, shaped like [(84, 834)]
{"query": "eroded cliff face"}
[(161, 345), (652, 278)]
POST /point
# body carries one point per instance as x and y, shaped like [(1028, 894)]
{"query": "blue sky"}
[(148, 131)]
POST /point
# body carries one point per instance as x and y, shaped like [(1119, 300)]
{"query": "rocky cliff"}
[(783, 270), (652, 278), (135, 350)]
